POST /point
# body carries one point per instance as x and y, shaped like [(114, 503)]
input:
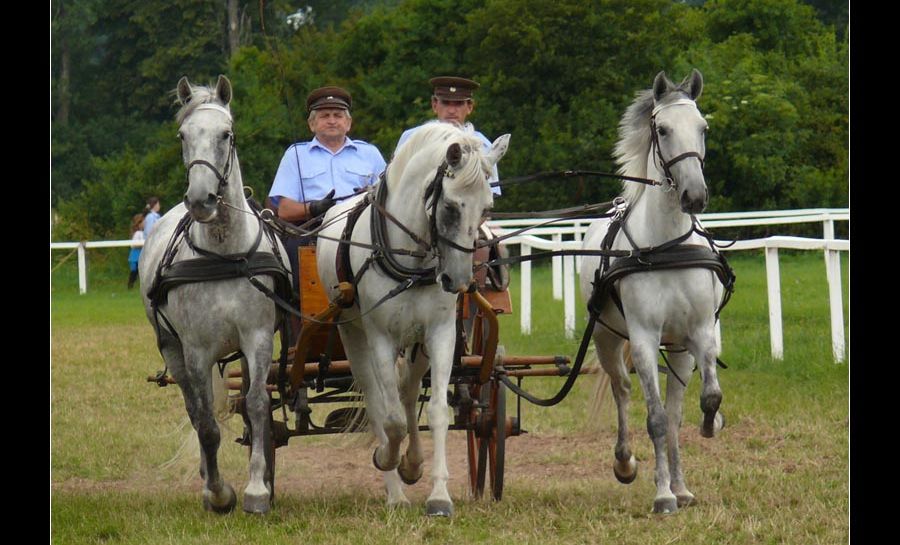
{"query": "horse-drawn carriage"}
[(319, 375), (415, 325)]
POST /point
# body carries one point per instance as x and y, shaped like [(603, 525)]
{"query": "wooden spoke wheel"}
[(486, 439)]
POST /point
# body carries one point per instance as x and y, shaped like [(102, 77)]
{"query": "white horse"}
[(201, 320), (676, 307), (444, 214)]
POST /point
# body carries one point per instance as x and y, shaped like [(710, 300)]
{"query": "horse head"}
[(457, 205), (207, 145), (678, 133)]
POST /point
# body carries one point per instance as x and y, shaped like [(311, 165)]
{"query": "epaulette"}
[(297, 144)]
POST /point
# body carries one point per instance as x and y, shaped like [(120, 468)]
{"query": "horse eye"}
[(226, 135), (662, 131), (179, 136)]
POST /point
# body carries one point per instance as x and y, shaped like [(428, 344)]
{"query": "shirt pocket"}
[(315, 183), (360, 174)]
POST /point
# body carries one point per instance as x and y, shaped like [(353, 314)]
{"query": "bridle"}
[(657, 150), (229, 161), (435, 191), (385, 258)]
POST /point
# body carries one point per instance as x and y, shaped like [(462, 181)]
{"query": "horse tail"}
[(601, 402), (352, 419), (187, 456)]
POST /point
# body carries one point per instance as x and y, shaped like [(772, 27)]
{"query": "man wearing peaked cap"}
[(452, 101), (313, 175), (325, 97)]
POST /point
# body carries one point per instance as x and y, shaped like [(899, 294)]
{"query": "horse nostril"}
[(446, 284)]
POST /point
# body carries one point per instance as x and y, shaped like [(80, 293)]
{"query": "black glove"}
[(317, 208)]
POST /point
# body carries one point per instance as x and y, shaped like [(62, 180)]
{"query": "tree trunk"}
[(234, 27), (63, 99)]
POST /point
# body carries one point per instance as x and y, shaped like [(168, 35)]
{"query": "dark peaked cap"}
[(328, 97), (453, 88)]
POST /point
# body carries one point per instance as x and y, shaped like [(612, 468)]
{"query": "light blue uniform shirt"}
[(487, 148), (309, 170), (149, 220)]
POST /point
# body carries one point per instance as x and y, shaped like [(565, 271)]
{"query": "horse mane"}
[(200, 94), (427, 138), (634, 141)]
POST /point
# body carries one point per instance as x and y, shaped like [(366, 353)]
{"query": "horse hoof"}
[(710, 426), (439, 508), (626, 472), (219, 506), (375, 461), (405, 474), (685, 499), (665, 506), (258, 505)]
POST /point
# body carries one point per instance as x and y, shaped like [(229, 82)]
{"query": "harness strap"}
[(570, 380), (386, 260)]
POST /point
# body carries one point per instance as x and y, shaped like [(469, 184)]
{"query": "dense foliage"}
[(558, 76)]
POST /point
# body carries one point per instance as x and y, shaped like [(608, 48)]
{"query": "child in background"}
[(137, 234)]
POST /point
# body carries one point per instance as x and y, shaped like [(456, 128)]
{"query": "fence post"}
[(557, 270), (836, 298), (525, 295), (82, 268), (569, 295), (579, 236), (773, 282), (835, 292)]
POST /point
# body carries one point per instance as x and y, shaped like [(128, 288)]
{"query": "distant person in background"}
[(137, 235), (151, 212), (452, 101)]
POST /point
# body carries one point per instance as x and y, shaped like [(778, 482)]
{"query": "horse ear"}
[(661, 86), (454, 155), (184, 90), (693, 84), (498, 148), (223, 89)]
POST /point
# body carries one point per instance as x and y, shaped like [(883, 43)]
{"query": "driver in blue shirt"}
[(452, 101), (312, 174)]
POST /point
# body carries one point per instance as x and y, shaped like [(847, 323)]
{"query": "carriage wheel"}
[(486, 440)]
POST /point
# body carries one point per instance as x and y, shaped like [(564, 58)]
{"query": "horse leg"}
[(644, 348), (705, 352), (440, 348), (681, 364), (194, 379), (384, 358), (258, 493), (410, 468), (361, 362), (609, 351)]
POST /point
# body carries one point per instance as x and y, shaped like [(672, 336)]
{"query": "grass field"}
[(778, 473)]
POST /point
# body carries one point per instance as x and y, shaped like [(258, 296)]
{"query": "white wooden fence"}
[(567, 235), (565, 268)]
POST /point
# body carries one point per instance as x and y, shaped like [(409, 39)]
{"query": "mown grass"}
[(778, 473)]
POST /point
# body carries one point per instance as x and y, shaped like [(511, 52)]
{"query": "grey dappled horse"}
[(201, 322), (446, 218), (676, 307)]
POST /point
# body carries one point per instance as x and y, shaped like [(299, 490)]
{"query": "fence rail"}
[(565, 268)]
